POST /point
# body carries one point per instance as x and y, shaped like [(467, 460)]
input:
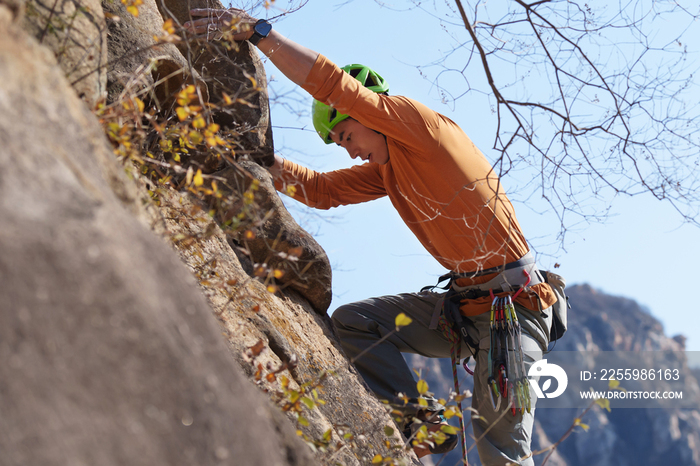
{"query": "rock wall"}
[(110, 354), (199, 344)]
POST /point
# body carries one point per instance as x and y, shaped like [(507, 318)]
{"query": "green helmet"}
[(326, 117)]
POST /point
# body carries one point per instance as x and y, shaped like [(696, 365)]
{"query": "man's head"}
[(330, 123), (360, 141)]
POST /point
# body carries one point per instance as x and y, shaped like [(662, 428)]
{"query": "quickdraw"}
[(507, 377)]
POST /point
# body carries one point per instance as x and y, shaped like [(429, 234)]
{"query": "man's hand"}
[(213, 23)]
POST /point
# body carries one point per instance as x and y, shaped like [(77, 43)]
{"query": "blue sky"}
[(642, 250)]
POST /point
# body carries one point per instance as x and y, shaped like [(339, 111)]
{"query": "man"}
[(448, 195)]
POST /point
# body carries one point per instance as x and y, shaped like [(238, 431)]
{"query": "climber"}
[(447, 193)]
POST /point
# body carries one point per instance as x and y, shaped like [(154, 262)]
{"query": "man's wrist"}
[(261, 29)]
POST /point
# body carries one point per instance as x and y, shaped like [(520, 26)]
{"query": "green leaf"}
[(449, 430), (327, 435), (388, 431), (303, 421), (308, 402), (402, 320)]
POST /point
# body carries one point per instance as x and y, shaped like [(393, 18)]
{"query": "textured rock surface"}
[(110, 353), (651, 436), (278, 232), (290, 334), (138, 64), (76, 32), (235, 70), (113, 354)]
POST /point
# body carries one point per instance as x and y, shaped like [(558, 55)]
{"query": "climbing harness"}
[(507, 378)]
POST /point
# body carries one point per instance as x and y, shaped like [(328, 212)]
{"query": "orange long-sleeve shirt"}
[(442, 186)]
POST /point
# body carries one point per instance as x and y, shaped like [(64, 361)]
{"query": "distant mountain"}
[(622, 437)]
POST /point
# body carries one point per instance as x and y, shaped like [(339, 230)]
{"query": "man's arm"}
[(292, 59)]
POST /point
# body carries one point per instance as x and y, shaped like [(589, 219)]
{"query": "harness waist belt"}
[(511, 276)]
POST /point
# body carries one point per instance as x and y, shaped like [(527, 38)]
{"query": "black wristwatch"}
[(260, 31)]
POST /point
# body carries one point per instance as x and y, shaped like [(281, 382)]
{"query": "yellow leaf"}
[(577, 422), (196, 137), (613, 383), (423, 402), (603, 403), (278, 273), (198, 180), (133, 10), (168, 26), (422, 387), (402, 320), (199, 122), (377, 459), (271, 289), (182, 113), (166, 145)]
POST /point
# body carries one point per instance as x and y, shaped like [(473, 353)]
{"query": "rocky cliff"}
[(159, 304), (626, 436)]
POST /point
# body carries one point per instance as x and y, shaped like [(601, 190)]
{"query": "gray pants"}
[(361, 324)]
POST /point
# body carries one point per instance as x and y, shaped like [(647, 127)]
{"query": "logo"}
[(548, 371)]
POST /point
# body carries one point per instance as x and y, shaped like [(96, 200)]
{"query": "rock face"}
[(234, 69), (75, 31), (648, 436), (111, 355), (138, 63), (201, 343)]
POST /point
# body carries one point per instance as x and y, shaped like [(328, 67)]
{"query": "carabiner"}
[(529, 279), (494, 391)]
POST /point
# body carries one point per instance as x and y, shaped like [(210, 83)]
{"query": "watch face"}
[(263, 28)]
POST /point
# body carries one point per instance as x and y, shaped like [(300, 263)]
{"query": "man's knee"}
[(344, 315)]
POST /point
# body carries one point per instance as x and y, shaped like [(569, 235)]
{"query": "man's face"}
[(361, 141)]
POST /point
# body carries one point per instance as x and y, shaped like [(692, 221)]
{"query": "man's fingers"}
[(217, 13), (204, 12), (200, 26)]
